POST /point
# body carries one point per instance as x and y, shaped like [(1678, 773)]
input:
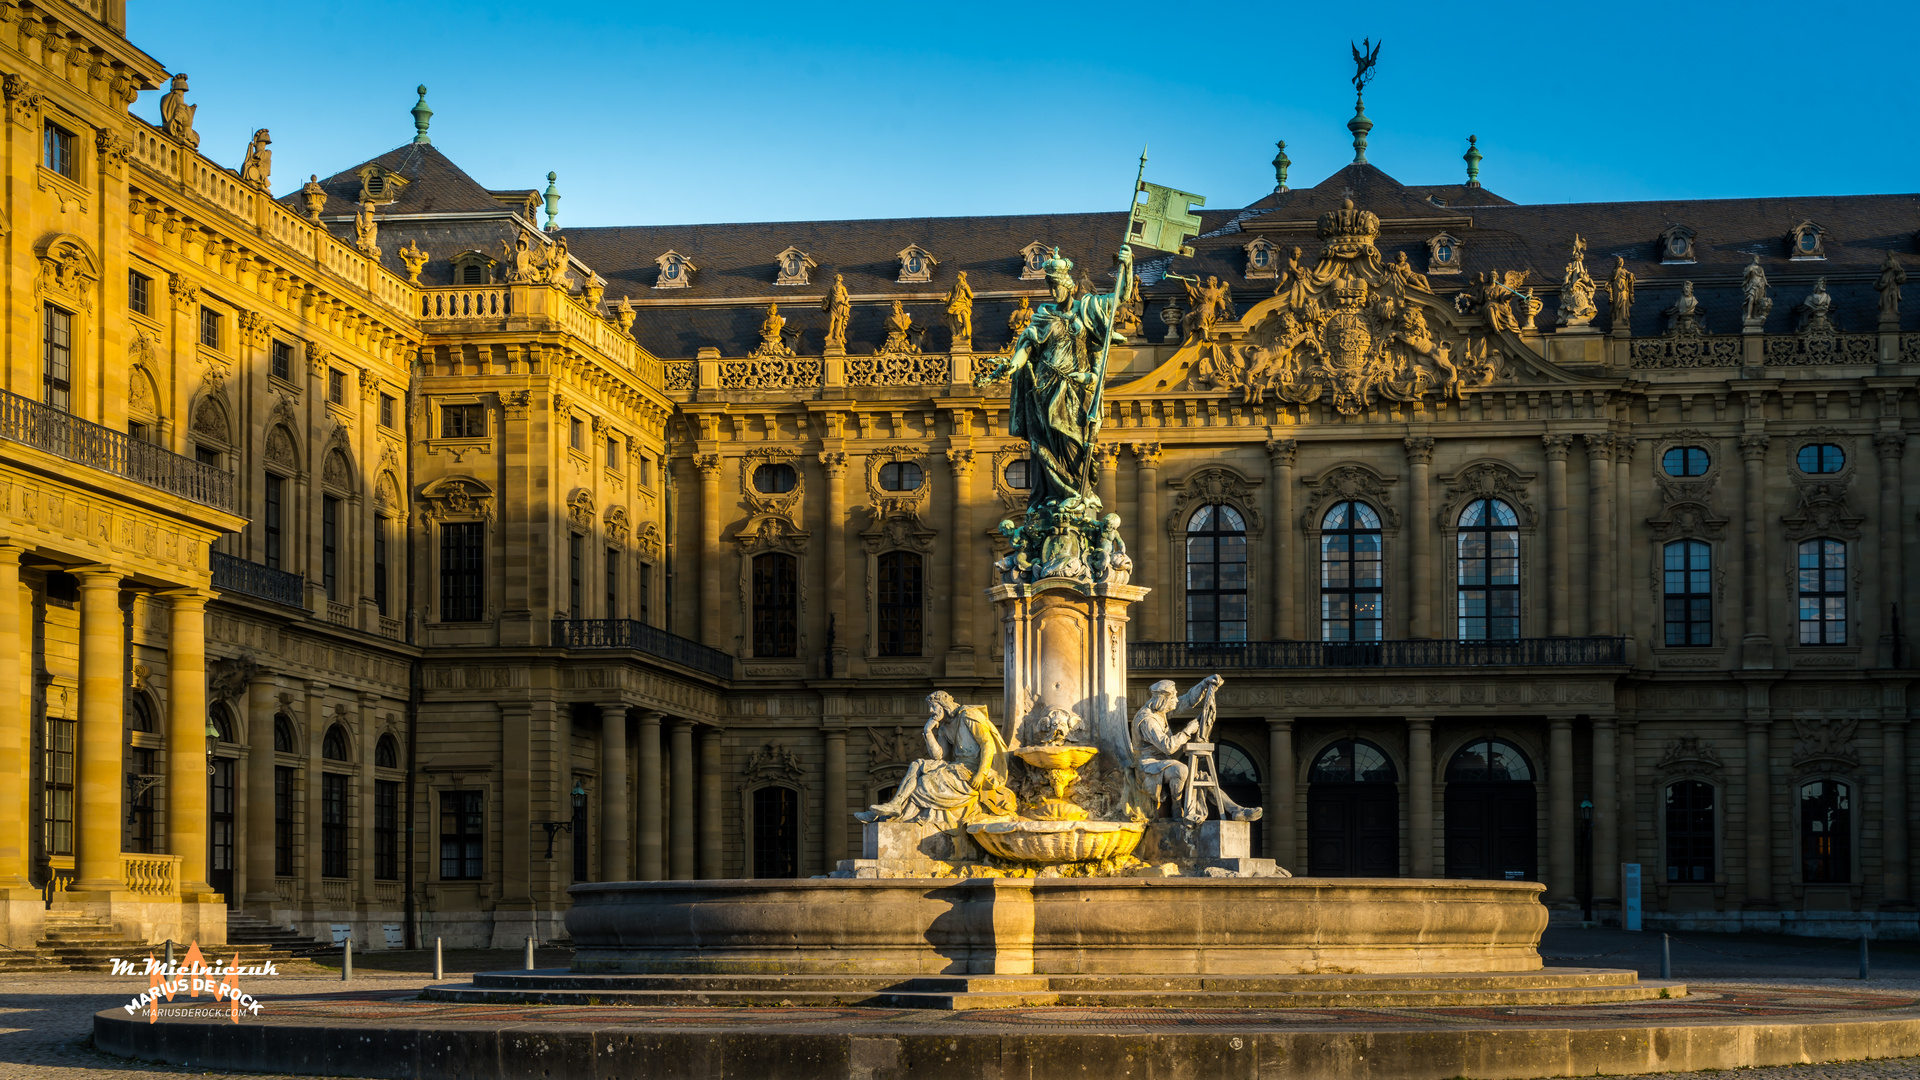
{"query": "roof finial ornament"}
[(1280, 163), (1472, 158), (1366, 56), (422, 115), (552, 196)]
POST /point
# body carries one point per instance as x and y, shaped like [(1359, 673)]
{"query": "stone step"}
[(951, 984)]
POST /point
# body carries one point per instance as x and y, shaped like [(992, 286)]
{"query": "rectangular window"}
[(333, 825), (1823, 592), (1689, 832), (463, 421), (646, 471), (1688, 593), (57, 149), (575, 556), (139, 293), (646, 593), (207, 455), (271, 523), (209, 328), (282, 362), (386, 410), (329, 544), (577, 433), (899, 604), (140, 831), (776, 606), (56, 338), (386, 830), (336, 386), (462, 824), (613, 453), (136, 431), (380, 525), (613, 584), (462, 569), (282, 820), (59, 785), (1826, 832)]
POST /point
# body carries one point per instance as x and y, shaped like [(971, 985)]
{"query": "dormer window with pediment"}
[(1033, 261), (1807, 242), (793, 267), (1263, 259), (472, 268), (916, 264), (1444, 254), (676, 271), (378, 185), (1676, 245)]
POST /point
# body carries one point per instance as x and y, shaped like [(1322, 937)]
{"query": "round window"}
[(1809, 240), (1685, 461), (1821, 458), (901, 476), (1680, 245), (1017, 478), (774, 479)]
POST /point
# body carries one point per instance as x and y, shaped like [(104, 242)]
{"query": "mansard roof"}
[(435, 185)]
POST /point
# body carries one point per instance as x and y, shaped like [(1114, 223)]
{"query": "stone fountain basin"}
[(1048, 842), (1055, 757)]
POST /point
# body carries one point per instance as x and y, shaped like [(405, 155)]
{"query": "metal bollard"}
[(1863, 958), (346, 962), (169, 952), (529, 954), (1666, 957), (439, 964)]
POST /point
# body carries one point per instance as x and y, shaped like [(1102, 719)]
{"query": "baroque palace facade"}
[(377, 558)]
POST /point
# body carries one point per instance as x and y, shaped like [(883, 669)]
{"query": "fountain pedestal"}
[(1065, 643)]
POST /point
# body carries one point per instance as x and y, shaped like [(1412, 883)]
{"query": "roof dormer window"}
[(1807, 242), (1443, 254), (793, 267), (916, 264), (676, 271), (1676, 245)]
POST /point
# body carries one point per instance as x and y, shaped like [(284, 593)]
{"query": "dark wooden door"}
[(1492, 831), (220, 819), (1353, 830)]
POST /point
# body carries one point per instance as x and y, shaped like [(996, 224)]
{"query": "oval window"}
[(1821, 458), (774, 479), (1679, 245), (901, 476), (1685, 461), (1017, 478), (1809, 241)]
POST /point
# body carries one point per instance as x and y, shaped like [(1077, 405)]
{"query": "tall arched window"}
[(1350, 601), (776, 605), (1689, 832), (776, 833), (1823, 592), (386, 753), (1826, 832), (900, 604), (1216, 575), (1689, 592), (1353, 812), (1491, 813), (334, 747), (142, 775), (1489, 550)]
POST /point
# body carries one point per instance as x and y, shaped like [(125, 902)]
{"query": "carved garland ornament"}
[(458, 497), (772, 763), (1825, 744), (68, 271), (1214, 484), (1342, 483), (1487, 480)]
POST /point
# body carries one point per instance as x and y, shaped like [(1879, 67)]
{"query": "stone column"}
[(1153, 569), (369, 744), (261, 711), (711, 814), (712, 623), (834, 553), (187, 737), (1558, 561), (1107, 457), (316, 714), (1756, 648), (1560, 834), (1602, 579), (834, 814), (1280, 770), (1894, 883), (13, 726), (613, 791), (1280, 457), (1420, 795), (99, 800), (1606, 808), (646, 798), (1624, 545), (680, 847), (1759, 815), (1891, 445), (1419, 536), (960, 596)]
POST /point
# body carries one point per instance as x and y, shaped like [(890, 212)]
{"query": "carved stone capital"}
[(1754, 447), (1282, 452), (834, 462), (1623, 448), (1890, 444), (961, 462), (709, 466), (1599, 446), (1419, 450), (1556, 446), (1148, 454)]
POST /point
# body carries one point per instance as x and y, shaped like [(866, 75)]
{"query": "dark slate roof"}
[(434, 185)]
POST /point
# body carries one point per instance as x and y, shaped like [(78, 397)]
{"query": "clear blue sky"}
[(657, 113)]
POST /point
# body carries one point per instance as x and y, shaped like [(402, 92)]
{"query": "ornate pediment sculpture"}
[(1689, 754), (1826, 742), (458, 497)]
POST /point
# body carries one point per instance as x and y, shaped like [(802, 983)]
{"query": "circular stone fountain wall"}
[(1061, 926)]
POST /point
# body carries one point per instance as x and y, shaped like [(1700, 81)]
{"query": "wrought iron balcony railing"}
[(634, 634), (245, 576), (62, 434), (1422, 653)]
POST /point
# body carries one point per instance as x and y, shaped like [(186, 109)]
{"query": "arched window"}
[(283, 738), (1216, 575), (1689, 832), (901, 476), (776, 833), (1826, 832), (334, 746), (1353, 812), (1823, 592), (473, 274), (899, 603), (1016, 474), (776, 605), (220, 719), (386, 753), (1489, 571), (142, 775), (1350, 600), (775, 479), (1352, 761), (140, 714), (1488, 760), (1689, 593)]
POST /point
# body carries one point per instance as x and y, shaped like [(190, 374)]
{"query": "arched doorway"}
[(1240, 781), (1353, 812), (221, 853), (776, 832), (1492, 813)]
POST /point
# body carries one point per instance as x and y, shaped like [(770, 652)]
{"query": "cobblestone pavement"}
[(46, 1020)]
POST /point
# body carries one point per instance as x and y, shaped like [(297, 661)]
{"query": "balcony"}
[(83, 442), (232, 574), (636, 635), (1422, 653)]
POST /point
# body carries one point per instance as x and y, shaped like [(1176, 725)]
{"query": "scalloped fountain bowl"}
[(1045, 842)]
